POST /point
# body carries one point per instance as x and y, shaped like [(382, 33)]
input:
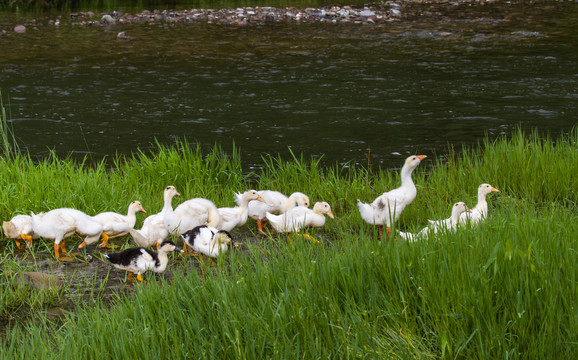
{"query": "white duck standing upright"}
[(58, 224), (275, 203), (299, 217), (449, 224), (19, 228), (154, 230), (139, 259), (207, 240), (387, 208), (115, 225), (233, 217), (480, 211)]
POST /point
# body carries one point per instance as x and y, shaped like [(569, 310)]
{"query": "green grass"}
[(504, 289)]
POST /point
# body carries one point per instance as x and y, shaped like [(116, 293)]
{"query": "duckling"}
[(237, 216), (207, 240), (20, 227), (276, 203), (154, 230), (139, 259), (299, 217), (115, 225), (387, 208), (58, 224)]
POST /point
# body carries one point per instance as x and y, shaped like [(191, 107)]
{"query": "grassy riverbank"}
[(505, 289)]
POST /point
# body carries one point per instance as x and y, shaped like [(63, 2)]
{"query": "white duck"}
[(115, 225), (480, 211), (58, 224), (233, 217), (387, 208), (299, 217), (138, 260), (189, 214), (449, 224), (154, 230), (275, 203), (19, 227), (207, 240)]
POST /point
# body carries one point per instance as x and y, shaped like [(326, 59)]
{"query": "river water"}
[(439, 77)]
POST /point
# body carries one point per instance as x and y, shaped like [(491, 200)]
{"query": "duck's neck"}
[(168, 204), (455, 219), (131, 216), (163, 262), (482, 205), (244, 205), (406, 180)]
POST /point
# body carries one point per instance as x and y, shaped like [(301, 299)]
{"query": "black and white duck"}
[(138, 260)]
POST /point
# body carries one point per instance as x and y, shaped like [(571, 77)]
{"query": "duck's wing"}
[(147, 255)]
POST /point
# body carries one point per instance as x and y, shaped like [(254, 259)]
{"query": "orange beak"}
[(330, 214), (261, 199), (421, 157), (495, 190)]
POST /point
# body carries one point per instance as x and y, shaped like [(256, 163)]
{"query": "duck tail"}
[(213, 217), (238, 198), (112, 258), (366, 212)]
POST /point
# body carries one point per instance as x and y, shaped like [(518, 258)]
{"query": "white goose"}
[(138, 260), (58, 224), (233, 217), (207, 240), (19, 227), (449, 224), (299, 217), (275, 203), (387, 208), (480, 211), (116, 225), (153, 230)]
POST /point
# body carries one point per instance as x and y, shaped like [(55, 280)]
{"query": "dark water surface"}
[(448, 76)]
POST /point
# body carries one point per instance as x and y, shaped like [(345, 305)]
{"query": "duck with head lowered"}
[(19, 228), (138, 260), (387, 208), (275, 203), (207, 240), (58, 224), (191, 213)]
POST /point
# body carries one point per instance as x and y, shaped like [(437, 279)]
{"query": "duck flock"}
[(205, 229)]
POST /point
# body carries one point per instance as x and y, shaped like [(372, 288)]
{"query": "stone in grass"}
[(39, 280)]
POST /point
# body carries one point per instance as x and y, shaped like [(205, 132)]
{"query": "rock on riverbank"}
[(369, 14)]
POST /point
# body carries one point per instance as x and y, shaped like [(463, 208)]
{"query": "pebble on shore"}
[(369, 14)]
